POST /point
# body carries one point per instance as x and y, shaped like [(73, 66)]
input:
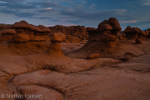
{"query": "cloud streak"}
[(133, 21)]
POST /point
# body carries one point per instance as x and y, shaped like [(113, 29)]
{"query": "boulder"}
[(92, 56)]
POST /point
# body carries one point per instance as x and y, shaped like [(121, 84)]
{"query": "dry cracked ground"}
[(64, 78)]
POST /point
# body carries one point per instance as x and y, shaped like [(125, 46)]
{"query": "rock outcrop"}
[(148, 32), (74, 33), (138, 41), (7, 34), (102, 40), (5, 26), (132, 33), (23, 38)]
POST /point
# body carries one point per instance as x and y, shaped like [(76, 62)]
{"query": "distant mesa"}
[(75, 34)]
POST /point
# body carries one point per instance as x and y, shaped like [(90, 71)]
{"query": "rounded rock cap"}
[(24, 25), (58, 37), (113, 22), (105, 27)]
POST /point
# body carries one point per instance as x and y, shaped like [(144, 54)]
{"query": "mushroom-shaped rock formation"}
[(132, 33), (102, 40), (55, 47)]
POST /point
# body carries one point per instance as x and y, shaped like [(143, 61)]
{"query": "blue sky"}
[(89, 13)]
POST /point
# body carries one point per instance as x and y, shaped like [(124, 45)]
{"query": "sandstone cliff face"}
[(74, 33), (4, 33)]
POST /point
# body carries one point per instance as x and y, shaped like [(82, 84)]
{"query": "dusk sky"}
[(88, 13)]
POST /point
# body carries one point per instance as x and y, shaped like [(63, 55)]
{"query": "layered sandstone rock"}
[(28, 32), (7, 34), (25, 39)]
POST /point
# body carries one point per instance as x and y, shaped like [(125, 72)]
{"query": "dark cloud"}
[(94, 15), (12, 0), (18, 13), (49, 18), (17, 5)]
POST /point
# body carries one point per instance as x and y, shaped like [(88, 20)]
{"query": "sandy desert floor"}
[(65, 78)]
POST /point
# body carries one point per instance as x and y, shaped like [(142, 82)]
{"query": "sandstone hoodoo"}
[(132, 33), (102, 40), (55, 47)]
